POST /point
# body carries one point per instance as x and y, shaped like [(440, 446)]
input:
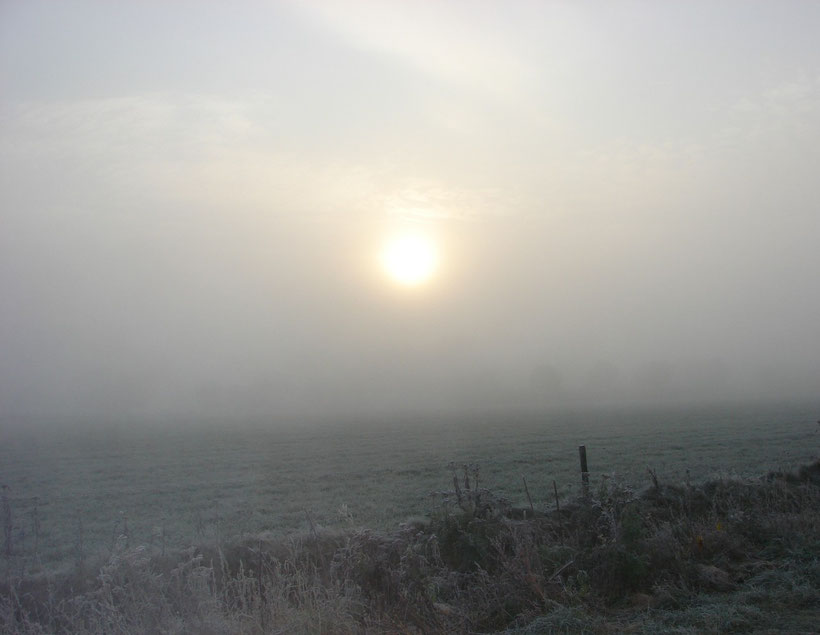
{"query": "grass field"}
[(73, 490)]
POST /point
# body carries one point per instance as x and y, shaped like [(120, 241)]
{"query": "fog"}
[(192, 200)]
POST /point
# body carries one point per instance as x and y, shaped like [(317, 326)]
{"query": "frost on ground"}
[(728, 555)]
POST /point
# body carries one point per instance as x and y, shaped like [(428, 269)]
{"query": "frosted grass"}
[(192, 482)]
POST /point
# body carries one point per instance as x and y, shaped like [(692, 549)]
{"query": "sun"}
[(410, 260)]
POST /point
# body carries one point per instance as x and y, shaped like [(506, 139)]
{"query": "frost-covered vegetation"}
[(180, 484), (726, 555)]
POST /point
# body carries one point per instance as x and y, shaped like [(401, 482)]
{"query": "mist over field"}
[(311, 311), (624, 200)]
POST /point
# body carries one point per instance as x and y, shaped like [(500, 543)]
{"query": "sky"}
[(193, 196)]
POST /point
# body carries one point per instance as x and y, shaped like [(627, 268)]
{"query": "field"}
[(73, 490), (696, 521)]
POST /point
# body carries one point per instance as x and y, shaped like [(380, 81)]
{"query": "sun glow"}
[(410, 260)]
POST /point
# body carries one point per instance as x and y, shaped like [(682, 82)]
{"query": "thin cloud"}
[(449, 41)]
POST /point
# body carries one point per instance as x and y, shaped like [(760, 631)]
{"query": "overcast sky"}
[(625, 196)]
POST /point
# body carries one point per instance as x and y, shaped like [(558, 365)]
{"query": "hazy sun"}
[(410, 260)]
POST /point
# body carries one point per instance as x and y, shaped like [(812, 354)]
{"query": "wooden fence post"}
[(582, 453)]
